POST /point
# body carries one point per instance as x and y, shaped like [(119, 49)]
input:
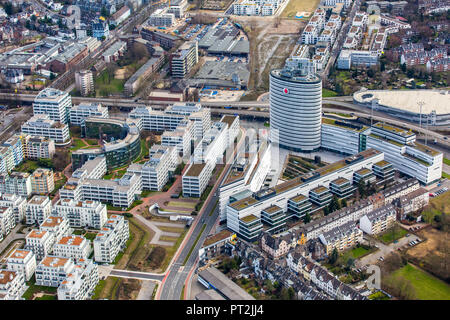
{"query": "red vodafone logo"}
[(285, 91)]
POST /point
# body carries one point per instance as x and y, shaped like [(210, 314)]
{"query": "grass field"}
[(360, 251), (182, 204), (328, 93), (27, 166), (437, 206), (104, 85), (392, 235), (77, 144), (427, 287), (295, 6)]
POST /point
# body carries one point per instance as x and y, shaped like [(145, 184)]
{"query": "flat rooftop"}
[(406, 100), (224, 285), (195, 169)]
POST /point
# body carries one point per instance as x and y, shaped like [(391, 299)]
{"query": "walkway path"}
[(153, 225)]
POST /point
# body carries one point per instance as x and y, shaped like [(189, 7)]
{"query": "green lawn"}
[(427, 287), (360, 251), (378, 296), (90, 235), (91, 142), (33, 288), (47, 297), (447, 161), (27, 166), (77, 144), (445, 175), (104, 85), (326, 93), (390, 236)]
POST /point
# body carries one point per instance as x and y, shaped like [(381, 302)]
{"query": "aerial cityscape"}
[(224, 150)]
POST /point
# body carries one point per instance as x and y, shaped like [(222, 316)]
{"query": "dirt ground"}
[(128, 289), (432, 244)]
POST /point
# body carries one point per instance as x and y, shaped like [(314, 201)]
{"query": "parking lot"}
[(384, 250)]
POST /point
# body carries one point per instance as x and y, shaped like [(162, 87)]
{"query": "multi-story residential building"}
[(38, 209), (12, 285), (178, 7), (54, 103), (121, 15), (22, 261), (53, 270), (73, 246), (6, 159), (100, 30), (18, 183), (196, 178), (42, 181), (82, 214), (15, 144), (281, 193), (42, 125), (16, 203), (39, 242), (38, 147), (310, 34), (84, 82), (111, 239), (58, 227), (378, 220), (80, 283), (161, 18), (7, 222), (412, 202), (277, 246), (184, 59), (342, 237), (78, 113), (400, 190), (155, 172)]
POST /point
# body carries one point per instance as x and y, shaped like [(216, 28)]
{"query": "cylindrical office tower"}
[(295, 110)]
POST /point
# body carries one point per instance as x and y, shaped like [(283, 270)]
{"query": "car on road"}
[(408, 234)]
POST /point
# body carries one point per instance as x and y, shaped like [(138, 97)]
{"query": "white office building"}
[(161, 18), (54, 103), (196, 178), (155, 172), (111, 239), (78, 113), (180, 138), (22, 261), (42, 125), (295, 108), (82, 214)]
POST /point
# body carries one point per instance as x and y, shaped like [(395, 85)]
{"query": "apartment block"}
[(412, 202), (82, 214), (73, 246), (15, 145), (22, 261), (53, 270), (40, 243), (111, 239), (84, 82), (16, 203), (38, 209), (161, 18), (38, 147), (7, 222), (58, 226), (379, 220), (12, 285), (80, 283), (18, 183), (42, 181), (343, 237)]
